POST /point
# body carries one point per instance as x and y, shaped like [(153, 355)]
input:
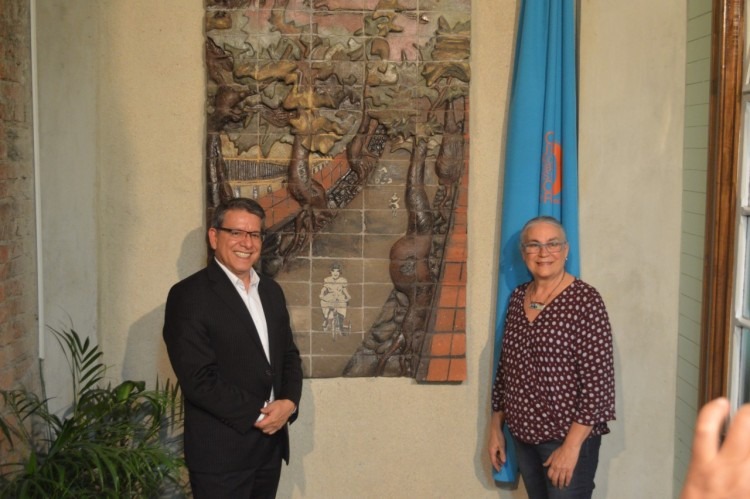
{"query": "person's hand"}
[(497, 449), (719, 470), (496, 444), (276, 414), (561, 464)]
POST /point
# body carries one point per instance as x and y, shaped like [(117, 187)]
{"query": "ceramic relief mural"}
[(347, 120)]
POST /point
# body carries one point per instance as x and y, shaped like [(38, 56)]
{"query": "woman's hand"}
[(561, 464), (496, 445)]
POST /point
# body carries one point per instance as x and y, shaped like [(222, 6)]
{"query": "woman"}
[(555, 382)]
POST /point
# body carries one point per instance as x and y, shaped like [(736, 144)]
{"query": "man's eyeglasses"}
[(240, 234), (551, 247)]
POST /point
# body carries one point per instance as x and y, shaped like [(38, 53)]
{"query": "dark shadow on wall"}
[(146, 356), (613, 444), (293, 481)]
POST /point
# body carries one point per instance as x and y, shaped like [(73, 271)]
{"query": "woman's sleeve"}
[(596, 399), (498, 390), (498, 387)]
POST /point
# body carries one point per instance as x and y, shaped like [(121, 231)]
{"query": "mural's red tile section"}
[(279, 205), (444, 358)]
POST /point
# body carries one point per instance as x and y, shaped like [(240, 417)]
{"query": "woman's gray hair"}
[(542, 219)]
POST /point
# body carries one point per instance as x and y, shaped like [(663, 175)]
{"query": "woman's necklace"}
[(539, 305)]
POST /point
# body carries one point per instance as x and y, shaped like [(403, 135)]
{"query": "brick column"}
[(18, 289)]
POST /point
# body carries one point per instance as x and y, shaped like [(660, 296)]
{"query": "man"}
[(229, 340)]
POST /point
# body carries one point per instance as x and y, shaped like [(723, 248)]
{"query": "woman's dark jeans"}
[(538, 484)]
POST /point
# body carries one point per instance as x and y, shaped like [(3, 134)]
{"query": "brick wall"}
[(18, 304)]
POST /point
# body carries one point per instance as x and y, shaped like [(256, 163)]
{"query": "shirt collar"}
[(254, 277)]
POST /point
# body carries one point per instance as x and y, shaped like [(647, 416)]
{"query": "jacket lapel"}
[(225, 289)]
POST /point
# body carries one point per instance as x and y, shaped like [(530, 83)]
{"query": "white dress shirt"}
[(251, 298)]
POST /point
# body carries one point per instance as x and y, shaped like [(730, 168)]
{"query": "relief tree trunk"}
[(310, 195), (410, 266)]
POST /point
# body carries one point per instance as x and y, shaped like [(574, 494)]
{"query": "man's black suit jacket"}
[(222, 369)]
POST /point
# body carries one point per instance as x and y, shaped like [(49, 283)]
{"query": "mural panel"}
[(348, 121)]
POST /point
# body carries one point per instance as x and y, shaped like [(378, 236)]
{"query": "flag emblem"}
[(551, 170)]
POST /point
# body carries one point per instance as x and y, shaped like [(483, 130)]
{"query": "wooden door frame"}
[(727, 49)]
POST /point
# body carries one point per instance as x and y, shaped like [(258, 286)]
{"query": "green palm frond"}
[(118, 441), (84, 361)]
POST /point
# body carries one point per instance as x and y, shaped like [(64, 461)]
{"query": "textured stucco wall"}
[(390, 437), (632, 65), (67, 100)]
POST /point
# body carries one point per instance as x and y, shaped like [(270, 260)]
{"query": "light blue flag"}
[(541, 161)]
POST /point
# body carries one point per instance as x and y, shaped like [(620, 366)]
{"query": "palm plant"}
[(116, 442)]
